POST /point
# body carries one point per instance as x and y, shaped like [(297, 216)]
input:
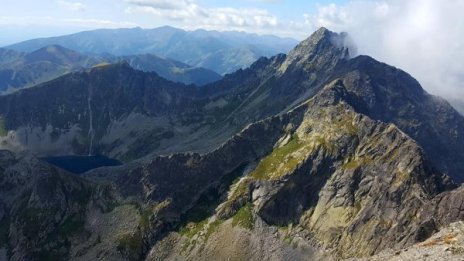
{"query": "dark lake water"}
[(81, 164)]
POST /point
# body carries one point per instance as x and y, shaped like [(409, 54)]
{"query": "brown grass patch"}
[(448, 239), (430, 243)]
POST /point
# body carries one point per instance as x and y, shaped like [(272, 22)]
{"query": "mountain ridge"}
[(249, 95), (49, 62), (223, 52)]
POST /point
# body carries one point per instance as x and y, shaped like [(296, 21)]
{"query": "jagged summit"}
[(323, 39), (323, 49)]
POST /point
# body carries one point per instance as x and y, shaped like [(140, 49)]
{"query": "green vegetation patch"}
[(213, 227), (280, 155), (241, 189), (191, 229), (356, 163), (244, 217), (193, 232), (144, 222)]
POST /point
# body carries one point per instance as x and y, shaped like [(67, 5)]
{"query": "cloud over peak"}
[(423, 37)]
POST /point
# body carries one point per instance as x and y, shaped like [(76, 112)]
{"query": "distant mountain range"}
[(21, 70), (169, 69), (222, 52)]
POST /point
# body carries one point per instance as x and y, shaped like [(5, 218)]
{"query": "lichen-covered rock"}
[(356, 184)]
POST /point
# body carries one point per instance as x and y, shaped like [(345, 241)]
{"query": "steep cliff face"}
[(44, 210), (73, 114), (333, 176), (390, 95), (331, 179), (345, 180)]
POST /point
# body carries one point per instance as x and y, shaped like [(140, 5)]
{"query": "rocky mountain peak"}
[(323, 49), (324, 38)]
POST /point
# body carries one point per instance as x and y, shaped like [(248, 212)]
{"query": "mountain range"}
[(222, 52), (319, 154), (22, 70)]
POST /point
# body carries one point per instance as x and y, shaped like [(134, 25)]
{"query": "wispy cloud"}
[(423, 37), (197, 16), (73, 6)]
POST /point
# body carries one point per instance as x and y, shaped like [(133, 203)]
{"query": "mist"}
[(423, 37)]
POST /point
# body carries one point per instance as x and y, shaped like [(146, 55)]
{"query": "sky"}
[(25, 19), (423, 37)]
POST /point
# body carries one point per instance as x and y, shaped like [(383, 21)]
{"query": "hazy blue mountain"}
[(223, 52), (170, 69), (21, 70), (28, 69), (7, 55)]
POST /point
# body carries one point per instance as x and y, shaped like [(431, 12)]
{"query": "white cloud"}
[(423, 37), (73, 6), (195, 16)]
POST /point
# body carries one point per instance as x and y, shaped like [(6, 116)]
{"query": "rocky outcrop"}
[(390, 95), (351, 184), (447, 244), (44, 210)]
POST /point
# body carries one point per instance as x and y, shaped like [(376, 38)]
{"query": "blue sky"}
[(56, 17)]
